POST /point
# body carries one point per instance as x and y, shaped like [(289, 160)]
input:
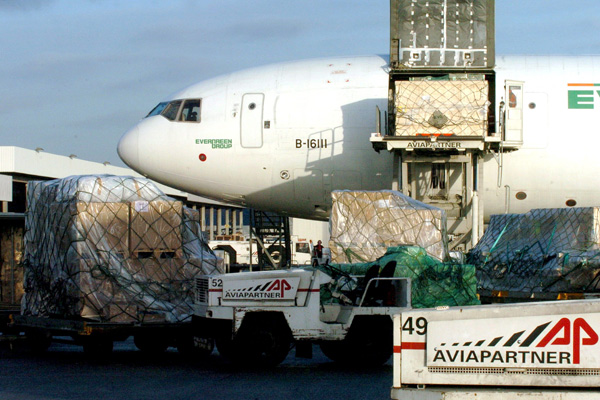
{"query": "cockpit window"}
[(174, 111), (170, 111), (158, 109), (190, 111)]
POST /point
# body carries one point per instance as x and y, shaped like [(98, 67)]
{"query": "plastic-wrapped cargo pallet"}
[(365, 223), (112, 249), (542, 252), (442, 107)]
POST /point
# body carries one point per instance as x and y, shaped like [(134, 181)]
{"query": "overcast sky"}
[(76, 74)]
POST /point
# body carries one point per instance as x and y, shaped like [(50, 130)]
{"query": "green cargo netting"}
[(542, 252), (434, 283), (111, 249)]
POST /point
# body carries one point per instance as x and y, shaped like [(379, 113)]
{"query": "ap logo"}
[(578, 334)]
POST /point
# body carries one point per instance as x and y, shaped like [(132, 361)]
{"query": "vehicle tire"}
[(151, 344), (38, 340), (97, 347), (277, 253), (225, 347), (262, 342), (336, 350), (192, 346), (371, 341)]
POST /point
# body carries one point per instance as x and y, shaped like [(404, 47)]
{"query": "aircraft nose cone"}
[(128, 148)]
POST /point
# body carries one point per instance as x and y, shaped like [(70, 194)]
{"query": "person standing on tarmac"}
[(319, 250)]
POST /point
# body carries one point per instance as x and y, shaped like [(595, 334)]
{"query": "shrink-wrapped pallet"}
[(365, 223), (441, 108), (542, 252), (110, 249)]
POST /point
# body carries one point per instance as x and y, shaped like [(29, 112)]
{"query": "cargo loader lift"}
[(444, 113)]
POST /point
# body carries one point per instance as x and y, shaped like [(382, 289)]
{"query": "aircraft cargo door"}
[(251, 129)]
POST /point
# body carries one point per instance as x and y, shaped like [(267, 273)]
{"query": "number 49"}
[(419, 327)]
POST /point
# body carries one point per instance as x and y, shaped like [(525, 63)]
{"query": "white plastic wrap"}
[(453, 107), (365, 223), (112, 249)]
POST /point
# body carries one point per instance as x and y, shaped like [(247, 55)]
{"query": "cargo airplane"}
[(282, 137)]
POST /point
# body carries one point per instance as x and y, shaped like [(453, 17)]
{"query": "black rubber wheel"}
[(98, 347), (151, 344), (371, 341), (336, 350), (192, 346), (277, 253), (373, 352), (38, 340), (225, 347), (261, 342)]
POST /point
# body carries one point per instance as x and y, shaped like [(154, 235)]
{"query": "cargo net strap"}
[(365, 223), (441, 108), (545, 253), (111, 249)]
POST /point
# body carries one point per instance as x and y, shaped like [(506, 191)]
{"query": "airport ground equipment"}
[(97, 338), (256, 317), (274, 229), (445, 109), (547, 350), (241, 253)]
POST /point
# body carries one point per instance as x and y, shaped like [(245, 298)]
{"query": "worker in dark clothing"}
[(319, 250)]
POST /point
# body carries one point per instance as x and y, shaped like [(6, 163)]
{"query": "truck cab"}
[(256, 317)]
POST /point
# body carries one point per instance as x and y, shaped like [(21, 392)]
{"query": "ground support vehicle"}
[(547, 350), (97, 337), (256, 317), (236, 253)]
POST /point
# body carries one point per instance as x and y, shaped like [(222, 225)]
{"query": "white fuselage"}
[(282, 137)]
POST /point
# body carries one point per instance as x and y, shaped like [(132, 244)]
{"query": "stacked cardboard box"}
[(365, 223), (111, 249), (156, 225)]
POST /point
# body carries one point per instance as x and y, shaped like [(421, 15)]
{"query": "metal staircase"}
[(272, 233)]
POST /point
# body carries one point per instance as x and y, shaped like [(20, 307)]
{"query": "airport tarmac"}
[(65, 373)]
